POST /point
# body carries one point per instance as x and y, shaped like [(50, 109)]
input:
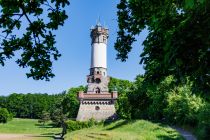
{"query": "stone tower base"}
[(98, 110)]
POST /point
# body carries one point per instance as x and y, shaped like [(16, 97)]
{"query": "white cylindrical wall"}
[(98, 55)]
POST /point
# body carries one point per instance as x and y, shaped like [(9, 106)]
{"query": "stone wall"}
[(96, 111)]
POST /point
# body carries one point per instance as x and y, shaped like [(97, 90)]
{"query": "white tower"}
[(99, 36), (98, 79), (97, 102)]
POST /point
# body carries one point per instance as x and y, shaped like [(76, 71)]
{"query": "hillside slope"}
[(126, 130)]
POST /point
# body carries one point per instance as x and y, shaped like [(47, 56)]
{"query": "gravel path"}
[(186, 134), (18, 137)]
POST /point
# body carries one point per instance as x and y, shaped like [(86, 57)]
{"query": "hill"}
[(126, 130), (122, 129)]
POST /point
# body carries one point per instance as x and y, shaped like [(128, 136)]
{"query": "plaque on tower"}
[(97, 103)]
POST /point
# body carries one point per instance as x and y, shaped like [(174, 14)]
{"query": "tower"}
[(97, 102)]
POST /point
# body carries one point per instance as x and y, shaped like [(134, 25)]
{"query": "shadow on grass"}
[(170, 137), (100, 134), (170, 134), (48, 135), (44, 135), (119, 124), (55, 136), (45, 126)]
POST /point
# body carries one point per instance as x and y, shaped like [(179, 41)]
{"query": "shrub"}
[(158, 94), (203, 128), (4, 115), (76, 125), (183, 106)]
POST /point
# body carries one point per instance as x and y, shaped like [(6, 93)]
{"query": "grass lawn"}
[(29, 126), (126, 130), (29, 129)]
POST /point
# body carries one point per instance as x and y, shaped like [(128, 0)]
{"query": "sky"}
[(74, 43)]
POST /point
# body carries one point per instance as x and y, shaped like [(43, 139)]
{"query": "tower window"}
[(98, 90), (97, 72), (97, 108), (98, 80), (104, 39)]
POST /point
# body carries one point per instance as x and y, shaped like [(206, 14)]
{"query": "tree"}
[(45, 117), (29, 105), (70, 103), (178, 40), (58, 117), (124, 88), (4, 115), (139, 99), (37, 42), (3, 101)]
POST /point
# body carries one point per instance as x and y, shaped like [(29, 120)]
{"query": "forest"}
[(165, 102)]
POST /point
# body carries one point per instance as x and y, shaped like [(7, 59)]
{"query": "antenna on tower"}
[(98, 21)]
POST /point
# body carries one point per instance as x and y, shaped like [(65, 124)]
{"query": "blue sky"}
[(73, 42)]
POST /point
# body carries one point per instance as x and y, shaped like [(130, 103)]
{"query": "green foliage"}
[(183, 106), (45, 117), (148, 99), (203, 127), (177, 42), (5, 116), (123, 87), (3, 101), (139, 100), (176, 54), (77, 125), (58, 117), (36, 43), (70, 102), (158, 94), (34, 105), (29, 105), (171, 103)]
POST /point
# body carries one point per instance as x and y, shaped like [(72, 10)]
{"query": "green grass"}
[(29, 126), (126, 130), (119, 130)]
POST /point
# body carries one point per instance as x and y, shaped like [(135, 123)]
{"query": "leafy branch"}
[(37, 42)]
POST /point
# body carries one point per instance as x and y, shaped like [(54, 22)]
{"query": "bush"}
[(183, 106), (77, 125), (5, 116), (203, 128), (157, 94)]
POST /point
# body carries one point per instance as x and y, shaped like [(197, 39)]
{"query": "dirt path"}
[(20, 137), (187, 135)]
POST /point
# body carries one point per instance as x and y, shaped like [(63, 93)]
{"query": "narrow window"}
[(98, 90), (104, 39)]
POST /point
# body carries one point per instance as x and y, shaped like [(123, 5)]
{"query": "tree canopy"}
[(36, 20), (178, 40)]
